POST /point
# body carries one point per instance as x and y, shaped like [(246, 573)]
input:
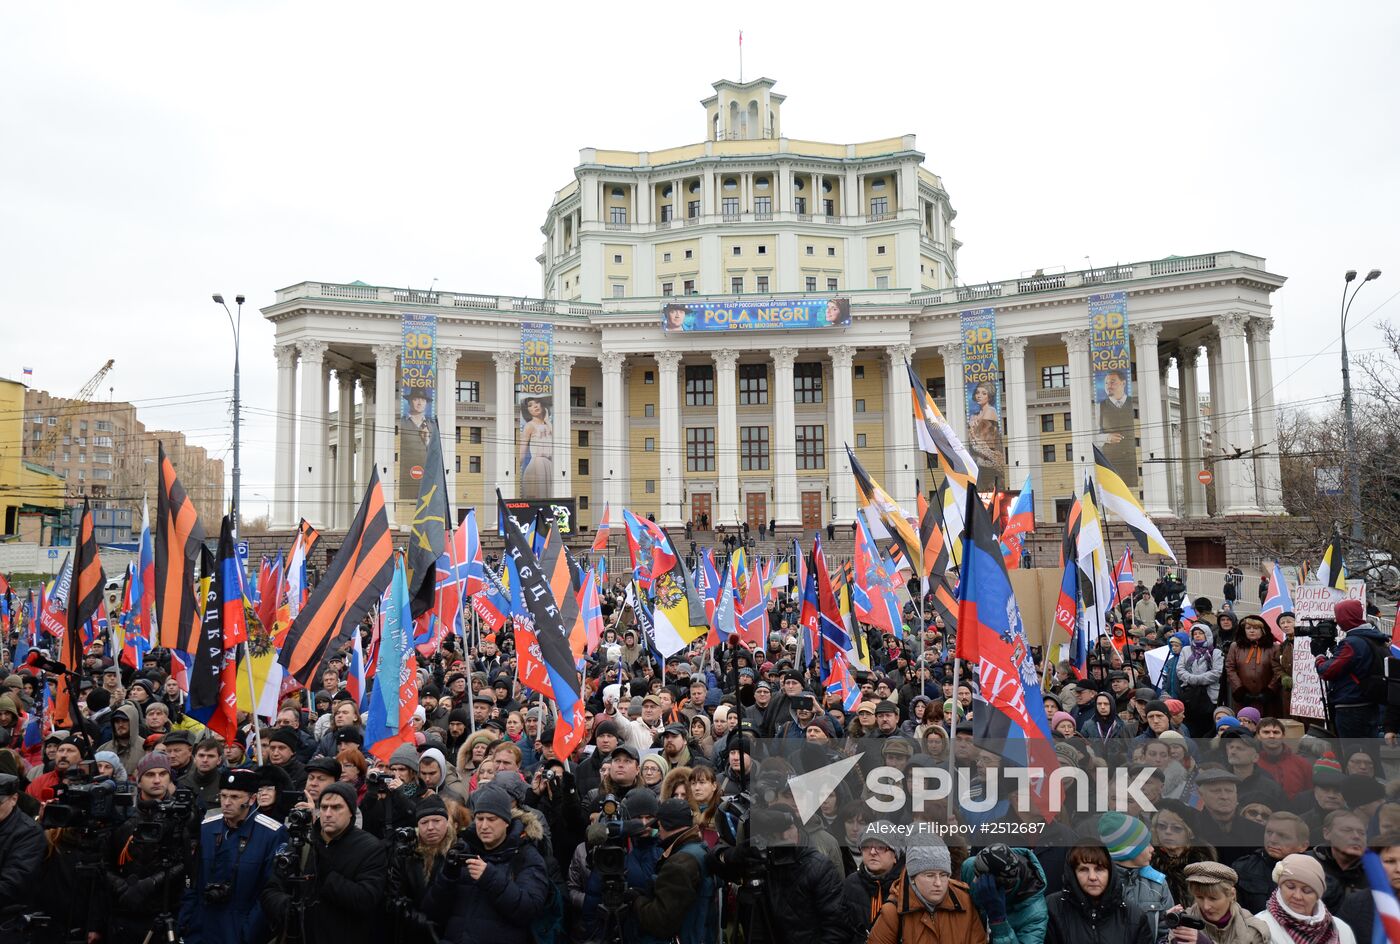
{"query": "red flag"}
[(600, 539)]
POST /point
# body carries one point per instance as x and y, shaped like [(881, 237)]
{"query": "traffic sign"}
[(1205, 476), (242, 548), (416, 472), (53, 553)]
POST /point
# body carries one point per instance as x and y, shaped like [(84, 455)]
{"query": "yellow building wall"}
[(615, 272), (877, 262), (591, 484), (625, 201), (1057, 478), (679, 268), (643, 465), (21, 485), (749, 263), (930, 273)]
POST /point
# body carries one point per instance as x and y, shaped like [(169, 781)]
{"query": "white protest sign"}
[(1314, 601), (1307, 687), (1156, 659)]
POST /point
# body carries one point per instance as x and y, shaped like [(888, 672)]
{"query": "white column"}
[(727, 438), (447, 359), (1188, 383), (669, 464), (506, 471), (386, 370), (955, 409), (310, 493), (1266, 469), (842, 486), (608, 461), (326, 474), (1156, 500), (366, 456), (784, 440), (284, 485), (345, 501), (1171, 439), (1234, 416), (901, 461), (1081, 402), (1013, 353), (564, 425)]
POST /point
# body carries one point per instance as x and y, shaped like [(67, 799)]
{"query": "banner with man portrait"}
[(534, 400), (1115, 427), (417, 398), (982, 391)]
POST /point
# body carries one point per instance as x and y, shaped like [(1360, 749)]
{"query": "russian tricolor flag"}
[(1386, 929)]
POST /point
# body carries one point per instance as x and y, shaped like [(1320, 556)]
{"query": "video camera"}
[(1180, 919), (168, 823), (83, 804), (287, 862)]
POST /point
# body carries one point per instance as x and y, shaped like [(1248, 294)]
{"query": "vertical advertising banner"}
[(418, 398), (534, 400), (1116, 430), (982, 391)]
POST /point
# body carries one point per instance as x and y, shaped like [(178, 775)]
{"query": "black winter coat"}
[(864, 894), (343, 898), (500, 907), (21, 857), (804, 893), (1075, 918)]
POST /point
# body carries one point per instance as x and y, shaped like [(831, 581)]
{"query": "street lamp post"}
[(237, 325), (1354, 472)]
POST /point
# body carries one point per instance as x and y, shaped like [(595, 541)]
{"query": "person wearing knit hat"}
[(1129, 844), (1296, 913), (879, 872), (1062, 724), (114, 767), (1214, 894), (934, 898), (154, 777), (1126, 839), (492, 800)]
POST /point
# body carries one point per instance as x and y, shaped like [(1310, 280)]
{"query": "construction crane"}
[(46, 450)]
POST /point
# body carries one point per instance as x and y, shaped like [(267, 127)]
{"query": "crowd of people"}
[(676, 819)]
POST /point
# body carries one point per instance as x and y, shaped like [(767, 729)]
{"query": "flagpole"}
[(253, 701), (471, 696)]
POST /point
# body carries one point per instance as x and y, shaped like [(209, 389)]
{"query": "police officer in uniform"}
[(236, 846)]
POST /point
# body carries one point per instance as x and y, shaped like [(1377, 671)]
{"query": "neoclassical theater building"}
[(801, 276)]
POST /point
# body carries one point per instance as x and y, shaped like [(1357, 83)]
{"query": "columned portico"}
[(670, 421), (284, 484), (505, 423), (563, 428), (1149, 398), (1192, 463), (614, 432), (344, 502), (1234, 418), (787, 512), (842, 486), (955, 410), (386, 368), (311, 473), (1261, 376), (365, 463), (1013, 354), (447, 359), (727, 438), (1081, 403)]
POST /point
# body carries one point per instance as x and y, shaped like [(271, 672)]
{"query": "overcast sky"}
[(152, 153)]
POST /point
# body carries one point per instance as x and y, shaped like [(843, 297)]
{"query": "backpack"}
[(548, 926), (1381, 683)]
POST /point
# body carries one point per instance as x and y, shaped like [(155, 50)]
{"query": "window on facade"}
[(103, 426), (666, 213), (882, 281), (763, 206), (799, 204), (468, 391), (761, 284), (474, 435), (648, 376), (1069, 452), (831, 250), (1047, 423), (753, 384), (457, 464), (811, 283), (859, 371), (699, 385), (729, 206), (648, 409), (831, 285), (1047, 453), (665, 257), (735, 250), (619, 291), (861, 440), (474, 465), (807, 383), (666, 288), (617, 258), (692, 209), (1054, 378), (583, 437), (689, 253), (578, 397), (879, 206), (937, 387), (649, 444), (879, 250), (860, 406), (762, 249), (457, 435), (1069, 426), (651, 486), (689, 286), (699, 448), (617, 215), (736, 285), (583, 502), (811, 250), (753, 448), (829, 208), (583, 467), (811, 446)]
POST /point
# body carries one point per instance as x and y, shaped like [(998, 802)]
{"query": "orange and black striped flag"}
[(178, 539), (84, 600), (352, 584)]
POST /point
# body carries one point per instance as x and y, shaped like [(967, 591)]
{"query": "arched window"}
[(877, 184), (760, 183), (731, 184), (753, 128), (618, 193)]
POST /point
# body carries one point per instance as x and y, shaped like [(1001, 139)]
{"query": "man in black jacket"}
[(879, 874), (21, 855), (147, 857), (346, 870), (681, 900)]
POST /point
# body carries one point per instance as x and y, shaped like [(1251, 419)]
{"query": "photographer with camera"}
[(147, 855), (681, 904), (1354, 673), (1218, 917), (328, 881), (553, 794), (419, 853), (622, 856), (69, 752), (493, 884), (392, 796), (236, 846), (21, 857)]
